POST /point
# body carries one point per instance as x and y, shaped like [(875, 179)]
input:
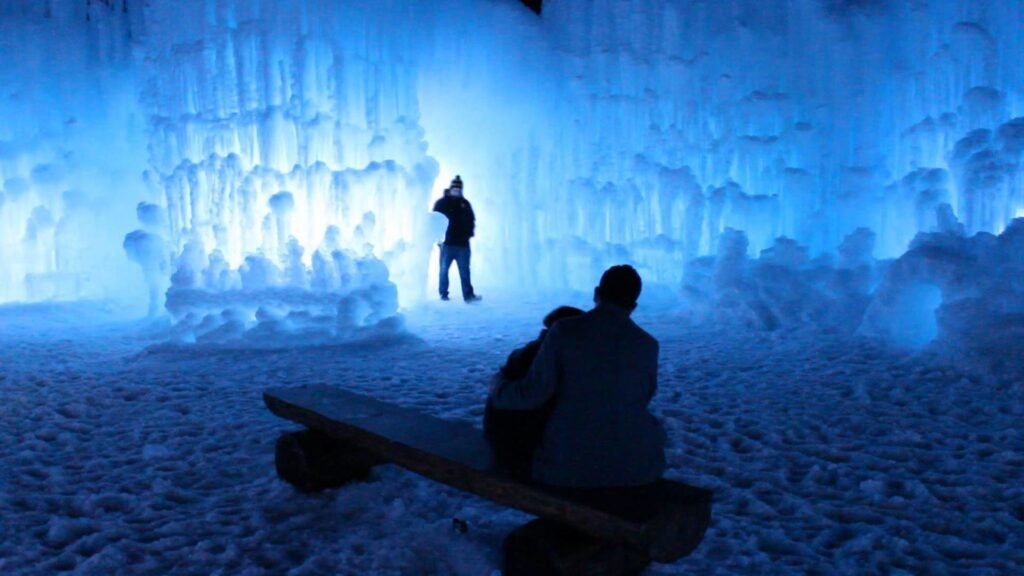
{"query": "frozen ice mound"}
[(339, 296), (974, 288), (286, 314), (960, 296), (784, 287)]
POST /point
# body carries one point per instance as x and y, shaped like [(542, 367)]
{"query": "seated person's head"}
[(560, 313), (620, 285)]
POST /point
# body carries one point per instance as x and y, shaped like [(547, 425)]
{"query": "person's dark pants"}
[(515, 435), (460, 254)]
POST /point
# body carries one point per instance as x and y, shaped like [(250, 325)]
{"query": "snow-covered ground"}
[(827, 454)]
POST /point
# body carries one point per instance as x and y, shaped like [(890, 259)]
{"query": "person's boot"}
[(473, 298), (445, 298)]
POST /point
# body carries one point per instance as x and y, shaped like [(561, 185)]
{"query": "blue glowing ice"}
[(269, 135)]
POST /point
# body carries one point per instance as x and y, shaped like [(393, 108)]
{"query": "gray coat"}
[(602, 370)]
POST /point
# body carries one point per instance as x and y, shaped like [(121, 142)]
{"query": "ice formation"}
[(965, 293), (784, 286), (72, 148), (266, 136)]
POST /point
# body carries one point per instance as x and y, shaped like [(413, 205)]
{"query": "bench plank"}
[(665, 520)]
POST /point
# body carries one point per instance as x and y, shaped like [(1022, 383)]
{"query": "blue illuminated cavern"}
[(203, 198)]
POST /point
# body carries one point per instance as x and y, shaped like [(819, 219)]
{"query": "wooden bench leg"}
[(312, 461), (545, 548)]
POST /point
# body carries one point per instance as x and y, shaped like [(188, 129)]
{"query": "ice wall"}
[(602, 131), (72, 146), (274, 121), (802, 118), (641, 129)]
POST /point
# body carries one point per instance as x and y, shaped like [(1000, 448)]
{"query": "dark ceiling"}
[(533, 4)]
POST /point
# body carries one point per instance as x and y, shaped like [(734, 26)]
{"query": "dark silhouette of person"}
[(515, 434), (461, 227), (599, 371)]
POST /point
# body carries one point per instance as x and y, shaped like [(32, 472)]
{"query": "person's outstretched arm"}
[(541, 382)]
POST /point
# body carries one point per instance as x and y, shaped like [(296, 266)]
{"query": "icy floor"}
[(827, 455)]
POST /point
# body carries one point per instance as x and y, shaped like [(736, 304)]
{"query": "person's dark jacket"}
[(461, 220), (519, 361), (601, 369)]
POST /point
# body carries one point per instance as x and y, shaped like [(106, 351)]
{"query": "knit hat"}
[(457, 181)]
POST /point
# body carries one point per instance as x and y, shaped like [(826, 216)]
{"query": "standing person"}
[(461, 225), (599, 372)]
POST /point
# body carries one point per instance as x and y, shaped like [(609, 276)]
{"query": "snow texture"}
[(827, 452)]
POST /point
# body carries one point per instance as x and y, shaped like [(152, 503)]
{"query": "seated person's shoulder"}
[(645, 337), (570, 326)]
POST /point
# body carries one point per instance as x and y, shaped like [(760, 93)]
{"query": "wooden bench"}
[(610, 531)]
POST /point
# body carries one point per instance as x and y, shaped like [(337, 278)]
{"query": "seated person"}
[(515, 434), (599, 372)]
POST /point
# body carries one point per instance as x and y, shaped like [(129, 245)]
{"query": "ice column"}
[(72, 144)]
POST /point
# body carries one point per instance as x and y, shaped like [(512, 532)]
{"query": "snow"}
[(826, 451)]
